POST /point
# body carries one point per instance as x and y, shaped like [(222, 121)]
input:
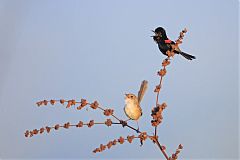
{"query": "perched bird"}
[(132, 107), (165, 44)]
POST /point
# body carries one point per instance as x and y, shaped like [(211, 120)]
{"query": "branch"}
[(81, 104), (67, 125)]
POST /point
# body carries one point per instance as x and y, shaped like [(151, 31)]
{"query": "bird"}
[(132, 106), (165, 44)]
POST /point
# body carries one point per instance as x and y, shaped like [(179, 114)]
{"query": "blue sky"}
[(100, 50)]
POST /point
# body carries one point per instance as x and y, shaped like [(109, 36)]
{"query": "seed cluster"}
[(175, 155), (70, 103), (108, 112), (142, 136), (157, 114), (67, 125)]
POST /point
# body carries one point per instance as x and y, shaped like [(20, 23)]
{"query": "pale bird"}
[(132, 106)]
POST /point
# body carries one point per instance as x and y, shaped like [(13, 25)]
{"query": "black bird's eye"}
[(131, 96)]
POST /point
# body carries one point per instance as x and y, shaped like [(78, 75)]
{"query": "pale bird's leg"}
[(137, 126)]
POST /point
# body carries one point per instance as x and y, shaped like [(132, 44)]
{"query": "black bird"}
[(165, 44)]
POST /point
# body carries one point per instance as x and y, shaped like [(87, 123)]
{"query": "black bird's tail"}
[(187, 56)]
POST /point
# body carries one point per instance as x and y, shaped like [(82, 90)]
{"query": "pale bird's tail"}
[(142, 90)]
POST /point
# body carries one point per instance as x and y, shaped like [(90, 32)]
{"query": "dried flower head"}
[(108, 112), (130, 138), (27, 133), (56, 127), (143, 136), (121, 140), (109, 145), (67, 125), (35, 131), (108, 122), (165, 62), (39, 103), (114, 142), (83, 102), (102, 147), (180, 146), (62, 101), (52, 102), (157, 88), (94, 105), (80, 124), (162, 72), (157, 114), (48, 129), (69, 104), (91, 123), (96, 150), (45, 102), (41, 130)]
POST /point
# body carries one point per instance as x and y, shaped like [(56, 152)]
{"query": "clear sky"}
[(100, 50)]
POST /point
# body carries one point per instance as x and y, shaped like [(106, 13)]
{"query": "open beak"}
[(154, 33)]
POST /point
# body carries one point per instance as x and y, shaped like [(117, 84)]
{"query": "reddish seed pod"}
[(39, 103), (157, 89), (96, 150), (73, 102), (80, 124), (180, 146), (108, 122), (108, 112), (69, 104), (62, 101), (102, 147), (121, 140), (165, 62), (91, 123), (162, 72), (114, 142), (79, 107), (48, 129), (31, 133), (41, 130), (109, 145), (143, 136), (163, 147), (83, 102), (66, 125), (26, 133), (56, 127), (130, 138), (35, 131), (52, 102), (94, 105), (45, 102)]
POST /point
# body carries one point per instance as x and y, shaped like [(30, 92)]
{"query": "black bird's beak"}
[(154, 33)]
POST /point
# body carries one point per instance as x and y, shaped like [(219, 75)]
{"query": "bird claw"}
[(124, 123), (138, 130)]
